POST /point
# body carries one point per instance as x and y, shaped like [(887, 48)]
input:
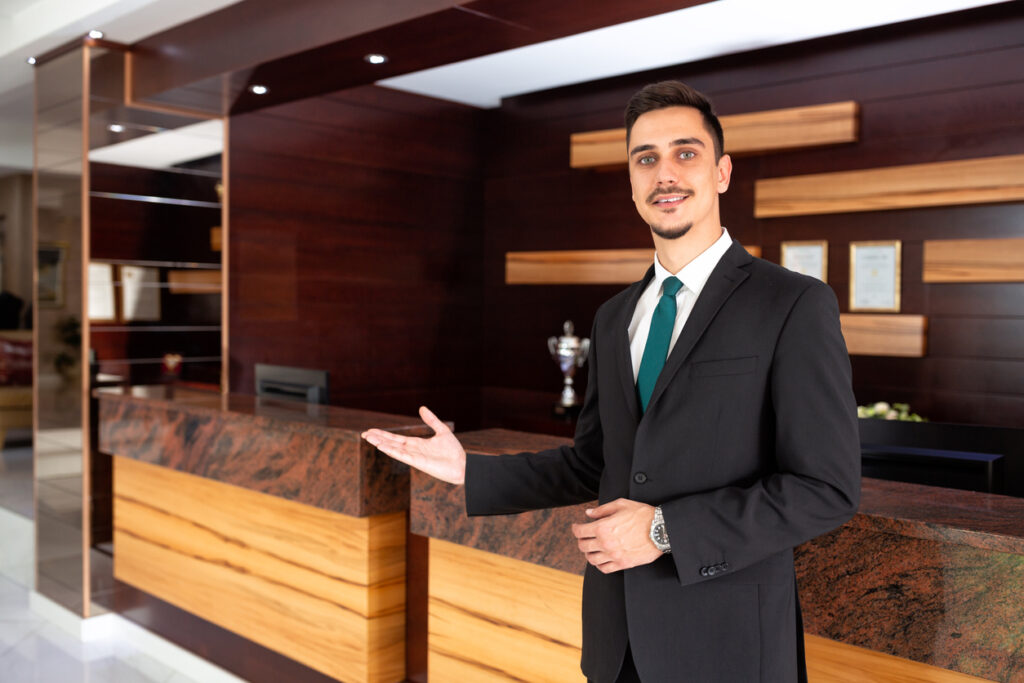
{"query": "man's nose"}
[(666, 174)]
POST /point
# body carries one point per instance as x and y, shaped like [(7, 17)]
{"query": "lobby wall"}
[(355, 242), (941, 89)]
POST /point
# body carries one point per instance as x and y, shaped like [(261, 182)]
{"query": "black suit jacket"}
[(749, 444)]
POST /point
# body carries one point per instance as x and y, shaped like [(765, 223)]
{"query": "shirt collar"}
[(694, 275)]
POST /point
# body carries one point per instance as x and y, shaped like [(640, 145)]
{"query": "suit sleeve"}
[(815, 486), (507, 484)]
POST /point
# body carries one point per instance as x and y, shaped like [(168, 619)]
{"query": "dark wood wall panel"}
[(935, 90), (356, 234)]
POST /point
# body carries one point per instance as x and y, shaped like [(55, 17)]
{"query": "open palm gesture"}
[(440, 456)]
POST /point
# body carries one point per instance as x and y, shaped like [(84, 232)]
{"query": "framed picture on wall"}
[(875, 271), (140, 293), (50, 277), (101, 292), (807, 258)]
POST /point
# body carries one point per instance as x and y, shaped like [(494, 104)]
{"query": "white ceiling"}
[(30, 27), (686, 35)]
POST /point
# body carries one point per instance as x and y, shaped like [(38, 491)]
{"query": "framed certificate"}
[(808, 258), (875, 276), (101, 292)]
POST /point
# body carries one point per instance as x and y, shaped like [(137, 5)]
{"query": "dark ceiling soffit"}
[(451, 34)]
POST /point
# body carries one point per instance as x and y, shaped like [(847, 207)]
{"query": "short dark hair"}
[(675, 94)]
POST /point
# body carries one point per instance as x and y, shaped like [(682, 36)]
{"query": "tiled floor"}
[(34, 650)]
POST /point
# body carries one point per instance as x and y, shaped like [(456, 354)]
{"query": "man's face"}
[(673, 173)]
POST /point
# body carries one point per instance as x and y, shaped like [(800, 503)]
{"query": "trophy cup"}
[(570, 352)]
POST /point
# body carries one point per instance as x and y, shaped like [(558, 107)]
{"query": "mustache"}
[(675, 189)]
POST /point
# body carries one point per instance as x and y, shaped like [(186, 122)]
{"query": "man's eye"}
[(645, 161), (687, 155)]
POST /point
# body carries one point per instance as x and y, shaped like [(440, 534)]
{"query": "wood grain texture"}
[(944, 183), (194, 281), (829, 661), (885, 335), (751, 133), (493, 618), (581, 266), (971, 260), (325, 589)]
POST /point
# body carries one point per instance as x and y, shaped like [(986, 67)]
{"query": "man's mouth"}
[(670, 200)]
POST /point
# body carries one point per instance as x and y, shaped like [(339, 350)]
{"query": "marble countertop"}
[(308, 453), (980, 520)]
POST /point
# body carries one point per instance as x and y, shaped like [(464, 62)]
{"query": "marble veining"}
[(312, 454)]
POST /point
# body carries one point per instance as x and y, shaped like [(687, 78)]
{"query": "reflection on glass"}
[(59, 443)]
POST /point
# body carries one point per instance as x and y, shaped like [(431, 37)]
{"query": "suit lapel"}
[(724, 280), (623, 356)]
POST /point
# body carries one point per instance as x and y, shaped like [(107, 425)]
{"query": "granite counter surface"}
[(308, 453)]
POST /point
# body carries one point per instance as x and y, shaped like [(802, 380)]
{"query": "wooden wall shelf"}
[(984, 260), (944, 183), (194, 281), (581, 267), (885, 334), (752, 133)]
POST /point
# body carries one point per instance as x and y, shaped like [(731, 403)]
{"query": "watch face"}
[(660, 537)]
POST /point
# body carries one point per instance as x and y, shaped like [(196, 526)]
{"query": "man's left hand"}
[(619, 537)]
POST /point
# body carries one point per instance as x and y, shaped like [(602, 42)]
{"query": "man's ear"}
[(724, 173)]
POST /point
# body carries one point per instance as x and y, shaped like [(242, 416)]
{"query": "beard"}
[(671, 233)]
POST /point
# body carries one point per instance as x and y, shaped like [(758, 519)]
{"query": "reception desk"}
[(276, 521), (269, 518), (923, 584)]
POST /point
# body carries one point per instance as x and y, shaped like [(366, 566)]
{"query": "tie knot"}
[(671, 286)]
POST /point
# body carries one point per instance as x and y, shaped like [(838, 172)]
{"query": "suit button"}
[(725, 566), (712, 570), (640, 478), (703, 571)]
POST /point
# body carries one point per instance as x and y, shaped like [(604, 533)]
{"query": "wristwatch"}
[(659, 535)]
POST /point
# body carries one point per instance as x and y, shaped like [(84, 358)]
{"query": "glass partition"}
[(60, 382)]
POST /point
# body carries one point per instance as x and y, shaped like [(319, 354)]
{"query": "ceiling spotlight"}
[(96, 35), (31, 60), (115, 128), (259, 89), (375, 58)]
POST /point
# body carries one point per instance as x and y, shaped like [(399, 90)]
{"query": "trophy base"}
[(567, 413)]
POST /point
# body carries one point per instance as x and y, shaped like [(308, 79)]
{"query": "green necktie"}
[(656, 350)]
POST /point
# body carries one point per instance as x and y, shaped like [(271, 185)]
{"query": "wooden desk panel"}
[(323, 588)]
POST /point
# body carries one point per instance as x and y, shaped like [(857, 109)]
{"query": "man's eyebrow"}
[(674, 143), (687, 141), (640, 148)]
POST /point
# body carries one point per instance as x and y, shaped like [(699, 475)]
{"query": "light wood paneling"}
[(194, 281), (987, 260), (581, 267), (493, 618), (970, 181), (323, 588), (829, 661), (755, 132), (885, 335)]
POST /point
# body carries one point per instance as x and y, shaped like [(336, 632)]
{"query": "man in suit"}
[(718, 432)]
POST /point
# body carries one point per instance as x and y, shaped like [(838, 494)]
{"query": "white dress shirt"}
[(693, 275)]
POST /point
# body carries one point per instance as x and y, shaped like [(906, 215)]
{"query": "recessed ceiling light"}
[(31, 60), (115, 128), (375, 58), (259, 89), (96, 35)]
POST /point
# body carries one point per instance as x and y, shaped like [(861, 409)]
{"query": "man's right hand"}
[(440, 456)]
